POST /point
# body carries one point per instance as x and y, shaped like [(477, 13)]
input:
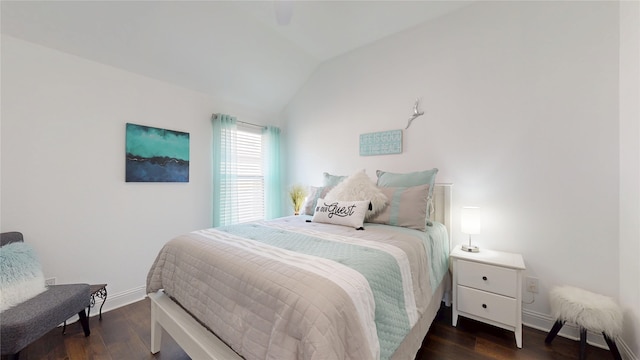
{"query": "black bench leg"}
[(612, 347), (84, 321), (104, 300), (554, 331), (583, 343), (15, 356)]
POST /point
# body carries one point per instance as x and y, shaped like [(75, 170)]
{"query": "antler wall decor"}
[(416, 113)]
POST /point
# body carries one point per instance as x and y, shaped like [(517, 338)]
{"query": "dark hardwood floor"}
[(124, 334)]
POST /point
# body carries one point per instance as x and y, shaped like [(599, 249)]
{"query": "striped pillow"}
[(315, 193), (407, 207)]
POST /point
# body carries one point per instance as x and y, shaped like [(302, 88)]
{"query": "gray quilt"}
[(286, 289)]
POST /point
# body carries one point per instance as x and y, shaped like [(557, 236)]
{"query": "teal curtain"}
[(225, 189), (273, 194)]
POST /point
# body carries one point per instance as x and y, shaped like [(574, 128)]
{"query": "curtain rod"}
[(215, 116)]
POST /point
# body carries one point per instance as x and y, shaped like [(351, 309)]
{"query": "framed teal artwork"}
[(381, 143), (156, 155)]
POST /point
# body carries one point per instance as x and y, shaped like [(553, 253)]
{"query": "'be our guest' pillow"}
[(347, 213)]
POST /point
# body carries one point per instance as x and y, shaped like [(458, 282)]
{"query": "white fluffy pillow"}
[(360, 187), (21, 276), (348, 213)]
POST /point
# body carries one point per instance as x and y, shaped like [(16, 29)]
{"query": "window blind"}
[(250, 180)]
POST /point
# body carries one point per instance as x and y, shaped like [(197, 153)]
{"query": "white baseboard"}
[(114, 301), (545, 322), (120, 299)]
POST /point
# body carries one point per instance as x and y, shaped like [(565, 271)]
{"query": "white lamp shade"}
[(470, 222)]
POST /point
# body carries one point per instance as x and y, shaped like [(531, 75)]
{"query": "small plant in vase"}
[(297, 193)]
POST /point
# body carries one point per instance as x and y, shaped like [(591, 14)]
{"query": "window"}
[(246, 171), (250, 179)]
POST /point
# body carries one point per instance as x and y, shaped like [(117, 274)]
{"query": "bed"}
[(294, 289)]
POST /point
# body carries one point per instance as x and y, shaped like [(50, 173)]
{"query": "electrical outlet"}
[(50, 281), (532, 284)]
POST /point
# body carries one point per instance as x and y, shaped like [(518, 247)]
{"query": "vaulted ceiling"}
[(234, 50)]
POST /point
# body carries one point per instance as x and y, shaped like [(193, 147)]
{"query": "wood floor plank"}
[(96, 344), (116, 335), (139, 315), (124, 334), (76, 348)]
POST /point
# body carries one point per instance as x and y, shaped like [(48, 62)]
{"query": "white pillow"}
[(360, 187), (21, 276), (348, 213)]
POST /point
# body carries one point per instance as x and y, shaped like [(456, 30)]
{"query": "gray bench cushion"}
[(33, 318), (10, 237)]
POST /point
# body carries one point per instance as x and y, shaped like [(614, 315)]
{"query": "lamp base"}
[(470, 248)]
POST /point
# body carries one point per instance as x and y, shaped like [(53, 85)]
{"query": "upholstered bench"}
[(30, 319), (589, 311)]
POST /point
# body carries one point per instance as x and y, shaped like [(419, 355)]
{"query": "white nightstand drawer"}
[(491, 278), (489, 306)]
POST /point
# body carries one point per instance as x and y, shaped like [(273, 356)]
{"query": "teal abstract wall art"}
[(381, 143), (156, 155)]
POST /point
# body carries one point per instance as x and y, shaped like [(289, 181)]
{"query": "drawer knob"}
[(484, 278), (484, 306)]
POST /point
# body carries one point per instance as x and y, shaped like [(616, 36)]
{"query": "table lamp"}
[(470, 223)]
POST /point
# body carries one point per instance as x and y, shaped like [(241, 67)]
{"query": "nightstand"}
[(487, 286)]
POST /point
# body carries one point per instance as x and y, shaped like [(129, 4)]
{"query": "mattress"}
[(291, 289)]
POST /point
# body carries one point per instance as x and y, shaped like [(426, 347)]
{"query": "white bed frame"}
[(200, 343)]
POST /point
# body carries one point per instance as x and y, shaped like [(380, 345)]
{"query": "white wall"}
[(63, 152), (630, 170), (521, 114)]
